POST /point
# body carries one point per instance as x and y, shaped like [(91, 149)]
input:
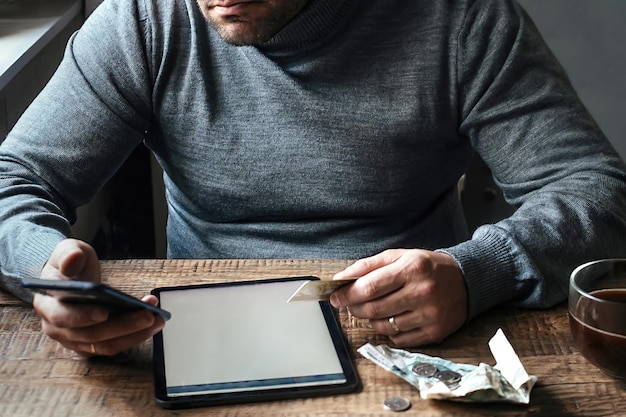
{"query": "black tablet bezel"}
[(351, 384)]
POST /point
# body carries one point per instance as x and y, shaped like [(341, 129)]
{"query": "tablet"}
[(242, 342)]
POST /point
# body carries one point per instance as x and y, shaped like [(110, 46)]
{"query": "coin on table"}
[(424, 369), (397, 404), (448, 377)]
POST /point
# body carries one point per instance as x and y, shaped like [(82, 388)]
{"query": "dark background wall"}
[(587, 36)]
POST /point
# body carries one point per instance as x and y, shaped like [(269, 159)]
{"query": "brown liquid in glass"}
[(606, 350)]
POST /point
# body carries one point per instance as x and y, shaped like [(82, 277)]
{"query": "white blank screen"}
[(245, 337)]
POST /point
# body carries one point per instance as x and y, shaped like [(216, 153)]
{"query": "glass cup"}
[(597, 314)]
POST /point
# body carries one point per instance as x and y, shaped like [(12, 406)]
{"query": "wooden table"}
[(40, 378)]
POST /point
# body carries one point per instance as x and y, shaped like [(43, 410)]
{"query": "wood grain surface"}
[(40, 378)]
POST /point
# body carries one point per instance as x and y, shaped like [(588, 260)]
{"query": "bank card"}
[(318, 290)]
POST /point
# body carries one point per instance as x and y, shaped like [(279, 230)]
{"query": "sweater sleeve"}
[(72, 138), (552, 162)]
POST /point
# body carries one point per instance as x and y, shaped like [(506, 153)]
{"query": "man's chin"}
[(241, 34)]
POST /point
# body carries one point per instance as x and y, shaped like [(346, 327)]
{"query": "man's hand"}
[(89, 329), (413, 296)]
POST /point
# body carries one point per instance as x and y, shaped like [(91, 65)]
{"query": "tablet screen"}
[(242, 341)]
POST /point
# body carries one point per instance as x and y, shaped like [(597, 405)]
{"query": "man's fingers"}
[(413, 296), (120, 344), (150, 299), (418, 337), (73, 259), (81, 261), (116, 332), (117, 326), (65, 315), (87, 328), (378, 282), (367, 265), (65, 251)]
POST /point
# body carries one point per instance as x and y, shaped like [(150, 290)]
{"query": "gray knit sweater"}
[(342, 136)]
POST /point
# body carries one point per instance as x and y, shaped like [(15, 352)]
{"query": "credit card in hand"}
[(318, 290)]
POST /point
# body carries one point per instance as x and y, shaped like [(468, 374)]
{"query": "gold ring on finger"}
[(394, 326)]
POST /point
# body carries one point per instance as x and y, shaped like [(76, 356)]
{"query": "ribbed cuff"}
[(34, 255), (488, 265)]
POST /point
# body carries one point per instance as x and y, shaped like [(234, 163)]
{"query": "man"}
[(320, 129)]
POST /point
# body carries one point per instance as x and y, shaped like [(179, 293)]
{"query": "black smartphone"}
[(86, 292)]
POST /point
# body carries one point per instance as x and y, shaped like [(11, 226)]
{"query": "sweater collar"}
[(316, 22)]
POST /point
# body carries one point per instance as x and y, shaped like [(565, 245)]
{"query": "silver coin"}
[(448, 377), (424, 369), (397, 404)]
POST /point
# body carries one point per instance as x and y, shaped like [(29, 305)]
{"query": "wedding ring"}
[(394, 326), (92, 349)]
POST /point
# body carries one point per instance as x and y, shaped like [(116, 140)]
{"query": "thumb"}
[(74, 259)]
